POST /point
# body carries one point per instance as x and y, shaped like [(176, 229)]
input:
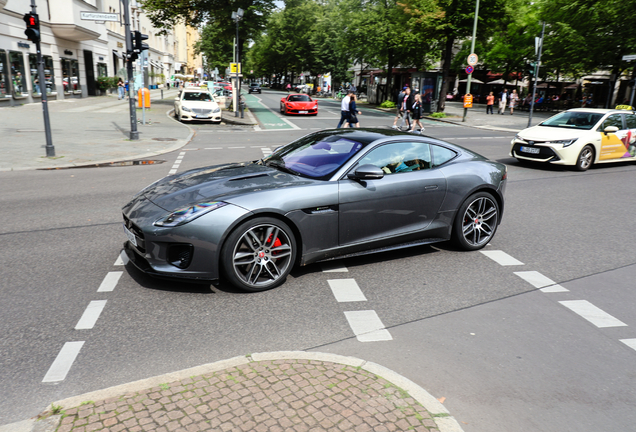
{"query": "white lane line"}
[(63, 362), (110, 281), (333, 267), (266, 151), (90, 315), (593, 314), (535, 278), (122, 259), (367, 327), (213, 148), (501, 258), (236, 147), (630, 343), (346, 290), (175, 167), (554, 288)]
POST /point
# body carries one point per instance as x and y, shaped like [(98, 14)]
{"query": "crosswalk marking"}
[(63, 362), (346, 290), (367, 326), (91, 315), (501, 258), (593, 314)]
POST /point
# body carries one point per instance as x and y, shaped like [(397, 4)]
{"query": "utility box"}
[(143, 97)]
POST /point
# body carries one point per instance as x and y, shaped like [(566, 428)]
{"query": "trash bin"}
[(143, 97)]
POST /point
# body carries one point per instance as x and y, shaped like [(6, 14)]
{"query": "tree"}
[(216, 50)]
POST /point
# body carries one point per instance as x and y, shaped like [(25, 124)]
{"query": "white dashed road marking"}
[(109, 282), (63, 362), (593, 314), (333, 267), (630, 343), (175, 167), (91, 314), (535, 278), (346, 290), (122, 259), (367, 326), (502, 258)]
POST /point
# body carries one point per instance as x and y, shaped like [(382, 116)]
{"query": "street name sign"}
[(630, 57), (99, 16)]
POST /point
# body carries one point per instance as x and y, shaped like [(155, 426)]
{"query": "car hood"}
[(219, 183), (302, 103), (548, 133)]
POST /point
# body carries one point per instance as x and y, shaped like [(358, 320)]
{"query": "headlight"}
[(565, 142), (518, 137), (188, 214), (185, 108), (217, 110)]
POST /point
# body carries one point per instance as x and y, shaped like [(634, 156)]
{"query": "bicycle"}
[(341, 93)]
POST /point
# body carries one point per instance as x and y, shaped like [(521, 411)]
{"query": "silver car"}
[(332, 193)]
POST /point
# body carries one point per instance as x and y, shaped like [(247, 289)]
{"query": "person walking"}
[(121, 88), (490, 101), (288, 87), (416, 110), (344, 110), (503, 98), (514, 100), (405, 102), (352, 121)]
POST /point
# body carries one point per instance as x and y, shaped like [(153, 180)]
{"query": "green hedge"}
[(105, 83)]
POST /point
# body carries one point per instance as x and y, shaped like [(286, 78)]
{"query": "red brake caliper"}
[(276, 244)]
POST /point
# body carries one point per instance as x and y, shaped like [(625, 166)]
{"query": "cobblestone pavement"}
[(272, 395)]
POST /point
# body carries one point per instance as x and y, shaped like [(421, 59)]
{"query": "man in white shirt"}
[(344, 110), (503, 98)]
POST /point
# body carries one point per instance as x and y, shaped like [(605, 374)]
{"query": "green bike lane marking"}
[(265, 116)]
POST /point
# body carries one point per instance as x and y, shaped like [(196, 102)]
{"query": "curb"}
[(445, 422)]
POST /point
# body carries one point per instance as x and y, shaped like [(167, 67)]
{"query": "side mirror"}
[(366, 172), (610, 129)]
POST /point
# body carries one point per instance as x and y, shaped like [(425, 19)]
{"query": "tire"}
[(585, 159), (259, 254), (476, 221)]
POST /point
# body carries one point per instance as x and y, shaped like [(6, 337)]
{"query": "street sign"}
[(235, 68), (472, 59), (469, 70), (468, 100), (99, 16), (630, 57)]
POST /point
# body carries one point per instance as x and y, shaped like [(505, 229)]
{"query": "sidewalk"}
[(477, 117), (282, 391), (90, 131)]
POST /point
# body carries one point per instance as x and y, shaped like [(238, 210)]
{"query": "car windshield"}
[(197, 96), (573, 120), (316, 156), (299, 98)]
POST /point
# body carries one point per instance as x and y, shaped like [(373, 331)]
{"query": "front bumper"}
[(555, 154), (200, 116), (301, 111)]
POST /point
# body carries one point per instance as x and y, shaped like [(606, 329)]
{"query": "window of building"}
[(70, 73), (102, 69), (5, 88), (18, 79), (48, 75)]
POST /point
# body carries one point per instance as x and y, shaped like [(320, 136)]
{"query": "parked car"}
[(194, 103), (580, 137), (330, 193)]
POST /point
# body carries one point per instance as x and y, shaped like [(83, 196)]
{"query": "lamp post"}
[(237, 16), (472, 50)]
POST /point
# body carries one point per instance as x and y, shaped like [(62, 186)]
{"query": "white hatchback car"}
[(579, 137), (195, 103)]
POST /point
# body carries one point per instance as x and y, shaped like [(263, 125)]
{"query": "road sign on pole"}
[(630, 57), (472, 59), (99, 16), (469, 70)]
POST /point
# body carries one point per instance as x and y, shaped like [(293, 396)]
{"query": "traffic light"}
[(32, 31), (138, 41), (530, 69)]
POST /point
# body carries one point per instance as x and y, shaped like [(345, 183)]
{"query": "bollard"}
[(242, 107), (161, 93)]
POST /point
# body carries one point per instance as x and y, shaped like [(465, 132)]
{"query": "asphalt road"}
[(503, 354)]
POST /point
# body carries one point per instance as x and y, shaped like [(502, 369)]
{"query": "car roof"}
[(599, 110)]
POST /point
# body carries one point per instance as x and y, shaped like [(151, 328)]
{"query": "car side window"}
[(613, 120), (441, 155), (630, 120), (401, 157)]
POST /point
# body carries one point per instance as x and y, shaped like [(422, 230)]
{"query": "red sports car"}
[(298, 104)]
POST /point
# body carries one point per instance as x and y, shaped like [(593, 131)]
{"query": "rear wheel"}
[(585, 159), (259, 254), (476, 222)]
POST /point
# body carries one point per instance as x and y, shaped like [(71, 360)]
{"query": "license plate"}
[(303, 112), (532, 150), (130, 236), (202, 116)]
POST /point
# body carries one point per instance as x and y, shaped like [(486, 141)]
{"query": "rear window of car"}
[(573, 120)]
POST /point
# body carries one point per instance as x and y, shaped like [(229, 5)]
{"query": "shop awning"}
[(118, 54)]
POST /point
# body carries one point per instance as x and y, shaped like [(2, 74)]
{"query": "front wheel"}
[(259, 254), (585, 159), (476, 221)]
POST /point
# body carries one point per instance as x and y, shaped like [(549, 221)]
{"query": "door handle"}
[(430, 187)]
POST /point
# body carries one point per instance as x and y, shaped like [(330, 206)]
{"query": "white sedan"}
[(580, 137), (195, 103)]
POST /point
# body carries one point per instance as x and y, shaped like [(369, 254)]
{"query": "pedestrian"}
[(490, 101), (514, 100), (126, 85), (503, 98), (353, 111), (288, 87), (344, 110), (121, 89), (405, 101), (416, 110)]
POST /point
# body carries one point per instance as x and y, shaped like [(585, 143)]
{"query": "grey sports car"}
[(329, 194)]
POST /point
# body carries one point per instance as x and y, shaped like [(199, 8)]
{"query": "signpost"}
[(631, 57), (468, 100), (99, 16)]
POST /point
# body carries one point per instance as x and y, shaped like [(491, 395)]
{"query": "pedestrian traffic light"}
[(138, 41), (131, 55), (32, 31), (530, 69)]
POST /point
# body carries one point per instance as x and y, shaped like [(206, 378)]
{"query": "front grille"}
[(202, 111), (141, 243), (544, 152), (180, 255)]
